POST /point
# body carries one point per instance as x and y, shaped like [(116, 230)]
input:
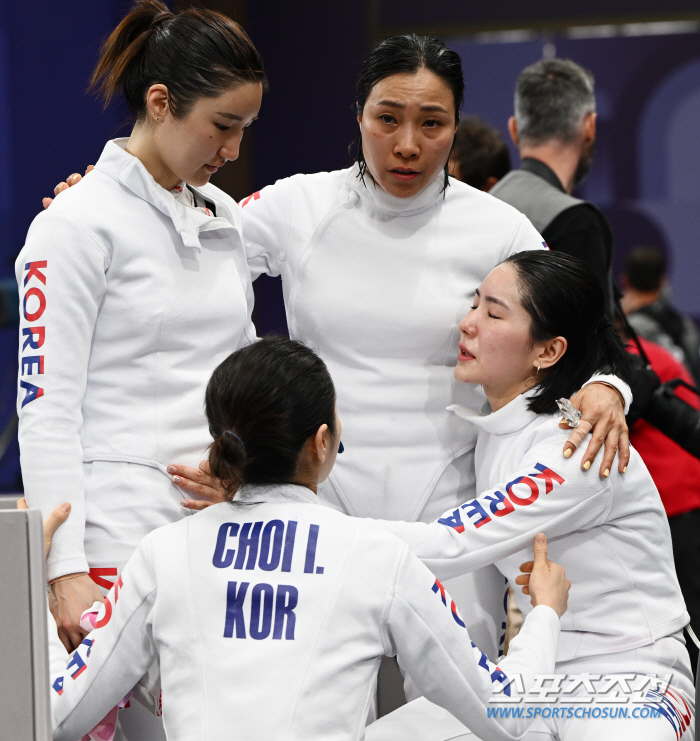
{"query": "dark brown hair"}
[(480, 151), (197, 53), (263, 403)]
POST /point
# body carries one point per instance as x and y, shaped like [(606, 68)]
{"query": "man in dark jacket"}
[(554, 128)]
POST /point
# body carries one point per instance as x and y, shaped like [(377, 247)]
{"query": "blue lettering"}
[(454, 521), (258, 631), (289, 545), (311, 550), (287, 599), (475, 508), (222, 560), (234, 609), (248, 543), (270, 560)]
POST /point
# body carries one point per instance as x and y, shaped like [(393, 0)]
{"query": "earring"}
[(538, 369)]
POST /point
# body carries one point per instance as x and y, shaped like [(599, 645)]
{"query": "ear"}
[(513, 130), (157, 102), (320, 445), (551, 352), (589, 127), (489, 183)]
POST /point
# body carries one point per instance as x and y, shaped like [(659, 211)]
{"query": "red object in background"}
[(676, 472)]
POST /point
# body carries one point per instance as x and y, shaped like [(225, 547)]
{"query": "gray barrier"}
[(24, 666)]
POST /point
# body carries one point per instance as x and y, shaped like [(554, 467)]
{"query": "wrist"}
[(614, 388), (65, 577)]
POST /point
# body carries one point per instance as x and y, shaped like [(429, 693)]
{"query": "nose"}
[(231, 149), (468, 324), (407, 145)]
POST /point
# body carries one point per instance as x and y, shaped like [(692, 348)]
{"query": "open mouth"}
[(464, 354), (211, 168)]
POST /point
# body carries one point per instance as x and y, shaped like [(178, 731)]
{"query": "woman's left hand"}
[(199, 481), (603, 412)]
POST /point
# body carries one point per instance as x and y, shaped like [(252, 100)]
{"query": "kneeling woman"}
[(537, 330), (269, 614)]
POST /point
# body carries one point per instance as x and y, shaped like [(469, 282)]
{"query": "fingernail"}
[(185, 503), (606, 473), (172, 469), (624, 470), (176, 479), (568, 452), (586, 465), (65, 507)]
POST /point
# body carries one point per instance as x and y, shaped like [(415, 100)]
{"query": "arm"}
[(108, 663), (266, 227), (61, 277), (505, 518), (432, 643)]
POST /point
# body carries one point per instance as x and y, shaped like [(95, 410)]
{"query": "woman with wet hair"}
[(135, 286), (378, 264), (536, 331), (269, 613)]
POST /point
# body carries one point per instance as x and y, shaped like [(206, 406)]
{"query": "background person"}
[(480, 156), (269, 613), (554, 128), (646, 305), (124, 281)]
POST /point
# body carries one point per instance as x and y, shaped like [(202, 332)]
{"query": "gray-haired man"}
[(554, 128)]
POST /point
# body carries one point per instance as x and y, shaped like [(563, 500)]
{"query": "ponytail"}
[(228, 458), (196, 53)]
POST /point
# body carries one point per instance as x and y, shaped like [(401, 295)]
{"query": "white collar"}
[(382, 201), (508, 420), (128, 170), (275, 493)]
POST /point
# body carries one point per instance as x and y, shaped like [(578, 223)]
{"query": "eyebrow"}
[(395, 104), (493, 299), (232, 116)]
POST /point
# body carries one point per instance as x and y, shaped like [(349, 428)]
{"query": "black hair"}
[(263, 403), (645, 267), (407, 54), (197, 53), (564, 298), (480, 151)]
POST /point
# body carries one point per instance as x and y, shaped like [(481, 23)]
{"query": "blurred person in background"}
[(648, 309), (480, 155), (554, 127)]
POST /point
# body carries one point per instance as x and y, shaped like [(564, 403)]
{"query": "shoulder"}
[(580, 217), (460, 194), (314, 184)]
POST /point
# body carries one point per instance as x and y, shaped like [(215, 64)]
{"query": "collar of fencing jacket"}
[(382, 201), (508, 420)]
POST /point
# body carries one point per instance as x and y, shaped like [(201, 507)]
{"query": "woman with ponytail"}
[(135, 287), (269, 613), (537, 330)]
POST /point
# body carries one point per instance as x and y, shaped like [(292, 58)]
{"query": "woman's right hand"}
[(544, 580), (70, 180), (68, 600)]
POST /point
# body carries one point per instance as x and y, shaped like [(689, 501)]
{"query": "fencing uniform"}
[(377, 285), (626, 611), (129, 300), (270, 617)]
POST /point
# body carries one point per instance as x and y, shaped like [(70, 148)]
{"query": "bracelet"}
[(65, 577)]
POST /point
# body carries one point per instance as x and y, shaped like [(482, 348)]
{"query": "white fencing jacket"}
[(129, 300), (610, 534), (269, 619), (377, 285)]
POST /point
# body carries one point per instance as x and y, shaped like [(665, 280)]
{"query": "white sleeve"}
[(266, 224), (504, 519), (615, 382), (432, 644), (526, 238), (113, 657), (61, 276)]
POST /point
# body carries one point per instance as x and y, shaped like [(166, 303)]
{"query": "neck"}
[(634, 300), (499, 397), (142, 145), (561, 158)]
